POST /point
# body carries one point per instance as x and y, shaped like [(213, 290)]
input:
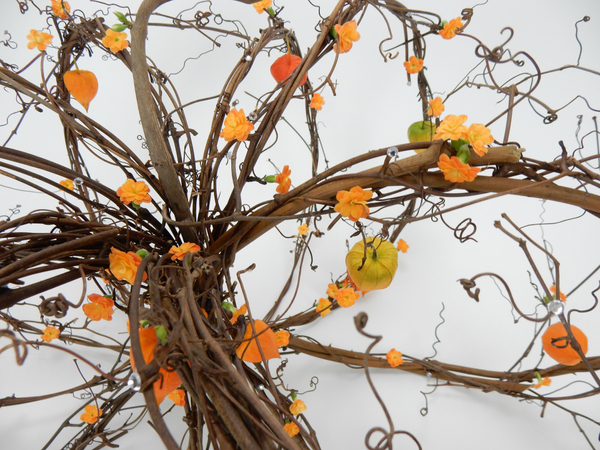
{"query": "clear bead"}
[(556, 307), (261, 387), (78, 181), (248, 58), (252, 116), (408, 83), (429, 374), (135, 382), (392, 152)]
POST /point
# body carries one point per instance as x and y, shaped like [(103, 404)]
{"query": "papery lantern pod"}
[(558, 347), (248, 350), (284, 66), (82, 85), (379, 268)]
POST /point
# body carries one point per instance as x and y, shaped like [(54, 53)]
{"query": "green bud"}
[(538, 376), (145, 323), (229, 307), (271, 11), (293, 396), (270, 179), (333, 33), (122, 18), (161, 334), (118, 27), (135, 206), (142, 253)]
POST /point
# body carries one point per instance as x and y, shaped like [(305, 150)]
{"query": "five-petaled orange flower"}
[(450, 28), (413, 65), (332, 290), (455, 171), (99, 307), (91, 414), (39, 40), (402, 246), (479, 136), (68, 184), (242, 310), (545, 382), (262, 5), (353, 203), (317, 101), (303, 229), (298, 407), (562, 296), (134, 191), (186, 247), (236, 126), (123, 265), (177, 397), (283, 180), (394, 358), (283, 338), (291, 428), (50, 333), (452, 128), (347, 34), (346, 297), (324, 307), (436, 107), (60, 8), (115, 41)]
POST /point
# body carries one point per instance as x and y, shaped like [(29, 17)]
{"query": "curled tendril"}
[(54, 306), (9, 42)]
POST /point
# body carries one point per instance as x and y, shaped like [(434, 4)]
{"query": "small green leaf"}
[(122, 18), (118, 27), (142, 253)]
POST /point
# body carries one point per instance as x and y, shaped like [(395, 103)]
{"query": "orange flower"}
[(545, 382), (353, 203), (186, 247), (236, 126), (91, 414), (413, 65), (248, 350), (291, 428), (324, 307), (332, 290), (346, 297), (452, 128), (99, 308), (115, 41), (50, 333), (283, 338), (394, 358), (82, 85), (436, 107), (68, 184), (456, 171), (39, 40), (177, 397), (284, 66), (450, 28), (134, 191), (60, 8), (347, 34), (262, 5), (317, 101), (283, 179), (562, 296), (303, 229), (242, 310), (478, 136), (402, 246), (298, 407), (124, 266)]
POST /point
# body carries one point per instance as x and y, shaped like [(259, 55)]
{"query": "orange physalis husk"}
[(298, 407), (248, 350), (82, 85), (557, 346), (380, 265), (91, 414), (284, 66), (394, 358), (241, 311)]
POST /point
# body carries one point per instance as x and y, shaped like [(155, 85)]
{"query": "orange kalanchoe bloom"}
[(402, 246), (456, 171), (452, 128), (248, 350), (324, 307), (186, 247), (124, 266), (262, 5), (562, 296), (316, 102), (50, 333), (298, 407), (99, 308), (39, 40), (353, 203), (177, 397), (283, 338), (291, 428), (60, 8), (347, 34), (303, 229), (436, 107), (413, 65), (236, 126), (68, 184), (91, 414), (283, 180), (115, 41), (332, 290), (478, 136), (545, 382), (450, 28), (394, 358), (134, 191), (346, 297)]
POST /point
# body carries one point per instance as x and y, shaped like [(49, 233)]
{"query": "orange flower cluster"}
[(186, 247), (317, 101), (436, 107), (452, 128), (402, 246), (236, 126), (91, 414), (283, 338), (450, 29), (347, 34), (124, 266), (99, 307), (134, 191), (115, 41), (291, 428), (324, 307), (456, 171), (283, 180), (39, 40), (50, 333), (60, 8), (177, 397), (298, 407), (478, 136), (394, 358), (563, 297), (353, 203), (413, 65), (68, 184), (262, 5)]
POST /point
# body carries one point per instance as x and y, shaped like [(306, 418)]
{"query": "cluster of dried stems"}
[(227, 402)]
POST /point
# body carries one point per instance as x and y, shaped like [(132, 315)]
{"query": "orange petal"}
[(82, 85), (167, 384), (148, 341), (248, 350)]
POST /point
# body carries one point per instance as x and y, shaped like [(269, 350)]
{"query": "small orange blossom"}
[(324, 307), (478, 136), (39, 40), (134, 191), (450, 28), (283, 180), (346, 297), (123, 265), (436, 107), (283, 338), (291, 428), (303, 229), (60, 8), (91, 414), (452, 128), (545, 382), (298, 407), (99, 308), (262, 5), (562, 296), (68, 184), (115, 41), (402, 245), (347, 34), (177, 397), (317, 101), (413, 65), (456, 171), (394, 358), (236, 126), (332, 290), (186, 247), (50, 333), (353, 203)]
